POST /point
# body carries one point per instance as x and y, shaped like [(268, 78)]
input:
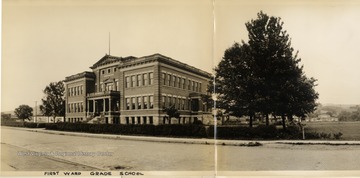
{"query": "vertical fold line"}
[(213, 72)]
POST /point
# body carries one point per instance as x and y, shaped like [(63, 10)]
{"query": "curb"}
[(204, 141)]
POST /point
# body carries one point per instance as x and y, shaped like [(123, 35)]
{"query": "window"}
[(151, 120), (109, 71), (81, 107), (199, 87), (132, 120), (169, 101), (189, 84), (163, 98), (178, 81), (151, 78), (133, 81), (173, 101), (133, 103), (114, 69), (102, 72), (139, 103), (151, 99), (127, 120), (163, 77), (127, 79), (169, 80), (81, 90), (138, 83), (182, 104), (193, 85), (189, 104), (174, 81), (109, 87), (145, 79), (127, 103), (144, 120), (179, 103), (138, 120), (145, 102), (183, 83)]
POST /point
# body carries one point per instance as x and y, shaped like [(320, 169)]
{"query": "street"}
[(33, 151), (125, 154)]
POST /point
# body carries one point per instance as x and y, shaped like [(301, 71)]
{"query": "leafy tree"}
[(350, 116), (172, 112), (53, 104), (234, 82), (263, 76), (24, 112)]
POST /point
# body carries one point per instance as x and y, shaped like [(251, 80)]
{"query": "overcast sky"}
[(44, 41)]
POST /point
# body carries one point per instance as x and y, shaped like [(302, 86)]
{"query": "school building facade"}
[(134, 90)]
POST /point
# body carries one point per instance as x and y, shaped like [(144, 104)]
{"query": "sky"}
[(44, 41)]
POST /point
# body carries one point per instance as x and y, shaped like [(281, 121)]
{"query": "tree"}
[(172, 112), (24, 112), (234, 82), (53, 104), (263, 76)]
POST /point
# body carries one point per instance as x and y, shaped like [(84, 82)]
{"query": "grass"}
[(350, 130)]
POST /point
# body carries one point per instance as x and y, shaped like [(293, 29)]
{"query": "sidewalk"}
[(190, 140)]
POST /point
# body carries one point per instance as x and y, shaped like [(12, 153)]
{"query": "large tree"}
[(53, 104), (24, 112), (235, 82), (263, 76)]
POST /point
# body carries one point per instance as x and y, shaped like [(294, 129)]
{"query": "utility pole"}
[(109, 43)]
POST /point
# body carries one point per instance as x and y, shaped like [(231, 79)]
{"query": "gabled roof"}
[(108, 59), (131, 60)]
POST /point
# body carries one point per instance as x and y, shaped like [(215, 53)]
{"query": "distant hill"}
[(341, 111)]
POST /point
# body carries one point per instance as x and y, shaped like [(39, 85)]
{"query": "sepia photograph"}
[(203, 88)]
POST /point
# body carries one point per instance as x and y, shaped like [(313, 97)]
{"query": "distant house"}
[(323, 117), (46, 119)]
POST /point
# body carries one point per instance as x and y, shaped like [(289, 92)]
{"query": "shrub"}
[(159, 130), (324, 135), (312, 135), (13, 124), (41, 125), (30, 125), (51, 126), (198, 122), (337, 135)]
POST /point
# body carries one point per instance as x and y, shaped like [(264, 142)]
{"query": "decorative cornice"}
[(85, 74), (173, 62), (131, 61)]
